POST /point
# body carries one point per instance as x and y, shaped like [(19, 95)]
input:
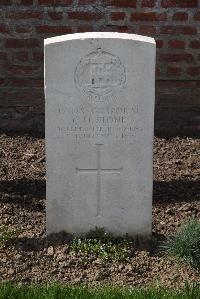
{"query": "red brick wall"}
[(175, 24)]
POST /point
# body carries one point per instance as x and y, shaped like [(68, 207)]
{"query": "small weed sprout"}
[(186, 244), (100, 244)]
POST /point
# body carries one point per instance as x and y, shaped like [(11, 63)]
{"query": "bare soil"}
[(31, 257)]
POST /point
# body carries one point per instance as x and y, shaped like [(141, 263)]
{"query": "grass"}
[(97, 242), (186, 244), (8, 291)]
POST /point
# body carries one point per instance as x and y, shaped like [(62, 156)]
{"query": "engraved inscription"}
[(120, 122), (99, 75), (98, 171)]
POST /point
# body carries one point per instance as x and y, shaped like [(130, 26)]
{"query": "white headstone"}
[(99, 90)]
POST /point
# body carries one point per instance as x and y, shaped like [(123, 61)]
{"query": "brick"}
[(26, 2), (23, 28), (172, 57), (23, 15), (85, 28), (20, 82), (189, 30), (85, 2), (179, 3), (46, 2), (186, 84), (158, 71), (23, 69), (116, 28), (54, 15), (147, 29), (186, 30), (3, 56), (85, 16), (148, 17), (22, 102), (197, 16), (195, 44), (173, 71), (167, 29), (5, 2), (193, 71), (159, 43), (37, 83), (38, 56), (117, 16), (53, 29), (63, 2), (178, 84), (21, 56), (148, 3), (22, 110), (124, 29), (176, 44), (2, 81), (55, 2), (4, 28), (21, 43), (180, 16), (120, 3)]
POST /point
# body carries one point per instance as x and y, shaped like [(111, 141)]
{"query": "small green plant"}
[(186, 244), (6, 234), (97, 242)]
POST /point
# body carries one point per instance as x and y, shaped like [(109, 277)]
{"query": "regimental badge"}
[(100, 75)]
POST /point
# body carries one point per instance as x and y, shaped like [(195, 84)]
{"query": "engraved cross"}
[(98, 171)]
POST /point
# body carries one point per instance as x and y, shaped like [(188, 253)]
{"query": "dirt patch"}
[(34, 258)]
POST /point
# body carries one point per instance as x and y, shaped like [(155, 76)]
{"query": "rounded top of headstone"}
[(99, 35)]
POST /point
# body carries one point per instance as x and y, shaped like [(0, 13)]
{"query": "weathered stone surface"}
[(99, 91)]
